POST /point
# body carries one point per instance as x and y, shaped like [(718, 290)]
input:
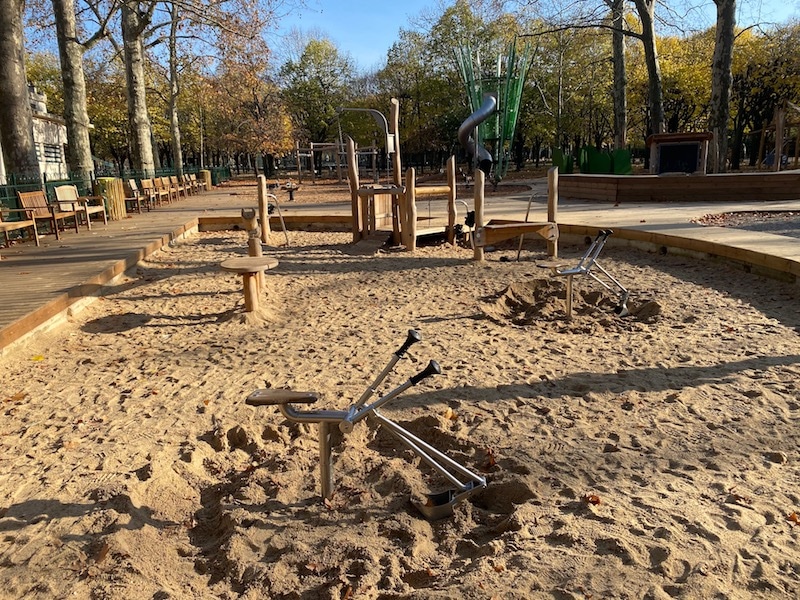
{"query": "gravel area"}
[(780, 223)]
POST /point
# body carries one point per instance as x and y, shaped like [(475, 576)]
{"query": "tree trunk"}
[(79, 151), (620, 77), (646, 10), (142, 146), (721, 78), (16, 116), (174, 121)]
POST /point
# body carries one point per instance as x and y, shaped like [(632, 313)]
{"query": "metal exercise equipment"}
[(437, 505), (585, 265)]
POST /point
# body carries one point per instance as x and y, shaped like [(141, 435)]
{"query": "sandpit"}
[(649, 456)]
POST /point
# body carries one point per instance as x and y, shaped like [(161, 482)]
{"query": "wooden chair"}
[(178, 186), (192, 180), (85, 206), (163, 184), (134, 199), (200, 183), (187, 185), (41, 210), (27, 223), (153, 192)]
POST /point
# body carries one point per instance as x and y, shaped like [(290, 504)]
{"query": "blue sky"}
[(366, 29)]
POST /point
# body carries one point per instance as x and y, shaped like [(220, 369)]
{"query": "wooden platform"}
[(728, 187)]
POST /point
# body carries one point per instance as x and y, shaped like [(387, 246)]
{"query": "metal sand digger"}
[(438, 505), (586, 264)]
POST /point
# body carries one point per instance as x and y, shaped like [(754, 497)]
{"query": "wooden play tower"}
[(381, 208)]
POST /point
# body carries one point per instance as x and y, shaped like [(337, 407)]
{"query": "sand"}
[(647, 456)]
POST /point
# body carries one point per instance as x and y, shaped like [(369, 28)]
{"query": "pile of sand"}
[(653, 455)]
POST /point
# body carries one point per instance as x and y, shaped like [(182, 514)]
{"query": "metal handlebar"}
[(433, 368), (413, 337)]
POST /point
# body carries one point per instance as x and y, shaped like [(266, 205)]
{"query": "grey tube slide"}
[(467, 127)]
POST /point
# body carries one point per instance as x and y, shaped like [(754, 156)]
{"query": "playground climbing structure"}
[(504, 82)]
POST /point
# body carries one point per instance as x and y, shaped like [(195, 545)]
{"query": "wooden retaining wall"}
[(732, 187)]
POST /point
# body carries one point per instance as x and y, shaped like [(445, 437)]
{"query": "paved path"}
[(37, 284)]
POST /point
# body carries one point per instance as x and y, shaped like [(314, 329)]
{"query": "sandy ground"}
[(647, 456)]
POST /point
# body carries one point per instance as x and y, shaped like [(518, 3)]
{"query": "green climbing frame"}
[(496, 133)]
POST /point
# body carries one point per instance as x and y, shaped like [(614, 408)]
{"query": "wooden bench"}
[(26, 223), (68, 199), (42, 210)]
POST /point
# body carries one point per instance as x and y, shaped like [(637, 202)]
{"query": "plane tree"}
[(314, 86), (16, 116)]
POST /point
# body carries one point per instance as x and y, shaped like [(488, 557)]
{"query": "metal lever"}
[(412, 338), (356, 414)]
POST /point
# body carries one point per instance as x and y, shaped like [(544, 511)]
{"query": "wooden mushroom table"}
[(249, 267)]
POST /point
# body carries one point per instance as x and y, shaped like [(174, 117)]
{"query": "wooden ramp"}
[(496, 231), (372, 243)]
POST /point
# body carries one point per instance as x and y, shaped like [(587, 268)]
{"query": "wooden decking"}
[(727, 187)]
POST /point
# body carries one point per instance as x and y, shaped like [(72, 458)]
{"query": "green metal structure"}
[(505, 82)]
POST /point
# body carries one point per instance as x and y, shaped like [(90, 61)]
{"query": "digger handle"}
[(433, 368), (413, 337)]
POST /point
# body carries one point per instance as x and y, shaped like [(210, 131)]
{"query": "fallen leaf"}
[(312, 567), (499, 568), (491, 460), (593, 499), (450, 414), (348, 593), (102, 553), (734, 497), (37, 357), (18, 397), (794, 518)]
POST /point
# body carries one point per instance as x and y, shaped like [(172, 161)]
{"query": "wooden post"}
[(480, 179), (796, 148), (408, 212), (299, 164), (352, 175), (338, 162), (397, 170), (251, 291), (250, 223), (313, 168), (263, 211), (552, 207), (451, 200)]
